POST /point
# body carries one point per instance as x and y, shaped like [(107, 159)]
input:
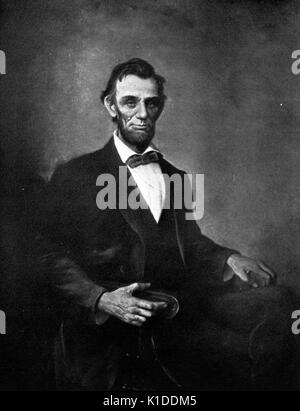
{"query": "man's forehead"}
[(135, 86)]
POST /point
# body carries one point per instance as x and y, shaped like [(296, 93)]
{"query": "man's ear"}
[(110, 106)]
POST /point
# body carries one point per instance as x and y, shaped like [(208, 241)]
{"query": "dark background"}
[(233, 109)]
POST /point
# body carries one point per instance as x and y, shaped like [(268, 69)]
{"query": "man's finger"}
[(243, 275), (259, 277), (149, 305), (136, 323), (158, 305), (267, 269), (263, 275), (131, 288), (142, 312), (130, 318)]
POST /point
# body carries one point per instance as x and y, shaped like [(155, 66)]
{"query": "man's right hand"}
[(132, 310)]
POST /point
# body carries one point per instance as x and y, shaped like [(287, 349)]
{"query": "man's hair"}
[(136, 67)]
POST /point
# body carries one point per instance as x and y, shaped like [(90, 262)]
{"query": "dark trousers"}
[(234, 340)]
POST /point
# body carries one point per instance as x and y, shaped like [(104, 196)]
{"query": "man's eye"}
[(130, 104), (152, 104)]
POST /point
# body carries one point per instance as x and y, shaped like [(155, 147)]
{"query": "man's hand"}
[(254, 272), (129, 309)]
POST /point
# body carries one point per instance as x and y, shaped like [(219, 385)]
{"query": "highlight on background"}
[(2, 322), (2, 62)]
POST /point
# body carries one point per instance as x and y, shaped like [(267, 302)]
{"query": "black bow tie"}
[(137, 159)]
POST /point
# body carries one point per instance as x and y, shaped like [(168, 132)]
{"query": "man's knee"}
[(242, 311)]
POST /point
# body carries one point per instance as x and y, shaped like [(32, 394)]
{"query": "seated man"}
[(116, 337)]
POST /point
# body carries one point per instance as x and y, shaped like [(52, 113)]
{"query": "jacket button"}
[(122, 269)]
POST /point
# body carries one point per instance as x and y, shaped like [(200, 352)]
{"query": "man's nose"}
[(142, 111)]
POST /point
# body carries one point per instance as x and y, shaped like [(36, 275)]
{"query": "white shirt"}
[(148, 177)]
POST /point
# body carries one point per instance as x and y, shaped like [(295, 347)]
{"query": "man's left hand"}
[(254, 272)]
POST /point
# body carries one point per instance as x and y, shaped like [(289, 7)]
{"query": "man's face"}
[(137, 106)]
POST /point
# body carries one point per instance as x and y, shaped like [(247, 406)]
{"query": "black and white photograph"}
[(149, 197)]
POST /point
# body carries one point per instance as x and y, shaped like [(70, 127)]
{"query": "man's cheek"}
[(124, 115), (127, 118), (126, 112), (154, 116)]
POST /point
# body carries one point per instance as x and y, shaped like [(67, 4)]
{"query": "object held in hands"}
[(151, 295)]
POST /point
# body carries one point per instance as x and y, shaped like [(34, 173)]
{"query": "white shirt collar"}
[(124, 151)]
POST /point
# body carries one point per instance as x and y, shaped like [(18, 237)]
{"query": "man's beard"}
[(139, 139)]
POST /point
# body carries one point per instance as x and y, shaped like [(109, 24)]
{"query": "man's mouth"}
[(140, 126)]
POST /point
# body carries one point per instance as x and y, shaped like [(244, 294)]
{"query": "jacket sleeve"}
[(202, 254), (205, 256), (56, 247)]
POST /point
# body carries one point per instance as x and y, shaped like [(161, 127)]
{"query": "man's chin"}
[(140, 137)]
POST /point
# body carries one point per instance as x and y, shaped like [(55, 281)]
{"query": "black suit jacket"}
[(82, 246)]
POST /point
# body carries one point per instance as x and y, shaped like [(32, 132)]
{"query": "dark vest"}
[(163, 263), (165, 270)]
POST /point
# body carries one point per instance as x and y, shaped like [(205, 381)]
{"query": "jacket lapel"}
[(112, 166), (169, 171)]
